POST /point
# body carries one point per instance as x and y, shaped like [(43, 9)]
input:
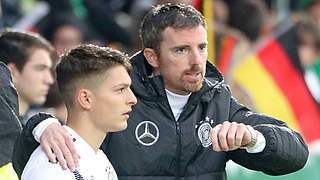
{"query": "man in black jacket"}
[(9, 123), (186, 124)]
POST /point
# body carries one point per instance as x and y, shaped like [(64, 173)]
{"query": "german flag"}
[(273, 78), (227, 46)]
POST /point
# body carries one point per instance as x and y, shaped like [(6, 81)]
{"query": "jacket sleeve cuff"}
[(32, 123), (38, 130)]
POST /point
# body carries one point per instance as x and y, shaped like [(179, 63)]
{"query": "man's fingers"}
[(239, 135), (47, 150), (71, 155), (59, 155), (222, 136), (57, 139), (214, 138), (231, 136), (73, 151), (68, 157), (228, 136)]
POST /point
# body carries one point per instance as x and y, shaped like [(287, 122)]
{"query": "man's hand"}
[(57, 142), (229, 136)]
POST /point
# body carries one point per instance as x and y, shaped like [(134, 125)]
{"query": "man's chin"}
[(193, 87), (39, 101)]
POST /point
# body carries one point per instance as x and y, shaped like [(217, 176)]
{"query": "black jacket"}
[(178, 151), (9, 110), (156, 146)]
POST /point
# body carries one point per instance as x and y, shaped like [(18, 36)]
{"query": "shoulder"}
[(39, 167), (102, 157)]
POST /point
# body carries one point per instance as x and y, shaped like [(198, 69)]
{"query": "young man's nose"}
[(132, 100), (49, 78)]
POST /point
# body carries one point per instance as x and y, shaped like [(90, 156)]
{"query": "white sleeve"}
[(38, 130), (259, 146)]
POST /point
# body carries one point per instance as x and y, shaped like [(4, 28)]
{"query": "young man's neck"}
[(23, 106), (80, 123)]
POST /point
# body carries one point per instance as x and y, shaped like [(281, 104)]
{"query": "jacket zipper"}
[(178, 131)]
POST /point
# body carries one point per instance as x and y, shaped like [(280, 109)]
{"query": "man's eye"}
[(203, 47), (121, 90), (180, 50)]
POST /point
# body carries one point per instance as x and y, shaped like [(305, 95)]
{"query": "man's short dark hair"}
[(167, 15), (16, 46), (84, 64)]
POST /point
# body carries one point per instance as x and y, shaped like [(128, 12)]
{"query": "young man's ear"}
[(14, 72), (151, 57), (84, 99)]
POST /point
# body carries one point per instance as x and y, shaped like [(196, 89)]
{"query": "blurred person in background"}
[(63, 30), (308, 34), (312, 9), (10, 13), (250, 17), (110, 20), (29, 58)]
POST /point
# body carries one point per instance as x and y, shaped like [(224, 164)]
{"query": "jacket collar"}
[(7, 90)]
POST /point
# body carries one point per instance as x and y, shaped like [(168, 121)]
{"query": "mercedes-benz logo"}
[(147, 133)]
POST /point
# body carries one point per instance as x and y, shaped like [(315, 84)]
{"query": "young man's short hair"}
[(83, 65), (16, 46), (167, 15)]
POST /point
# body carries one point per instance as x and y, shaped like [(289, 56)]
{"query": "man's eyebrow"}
[(42, 66), (205, 43), (122, 85), (180, 46)]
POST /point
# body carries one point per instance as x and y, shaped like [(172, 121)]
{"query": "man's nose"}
[(196, 57), (132, 100), (48, 78)]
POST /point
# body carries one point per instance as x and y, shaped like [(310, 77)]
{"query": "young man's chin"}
[(120, 127), (39, 101)]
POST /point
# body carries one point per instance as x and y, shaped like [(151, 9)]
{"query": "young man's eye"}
[(121, 90)]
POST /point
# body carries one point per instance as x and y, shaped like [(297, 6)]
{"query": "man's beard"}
[(196, 85), (192, 87)]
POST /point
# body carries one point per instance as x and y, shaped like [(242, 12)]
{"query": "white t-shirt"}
[(92, 165), (177, 103)]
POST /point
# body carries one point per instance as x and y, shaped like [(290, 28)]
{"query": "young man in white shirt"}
[(95, 85)]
